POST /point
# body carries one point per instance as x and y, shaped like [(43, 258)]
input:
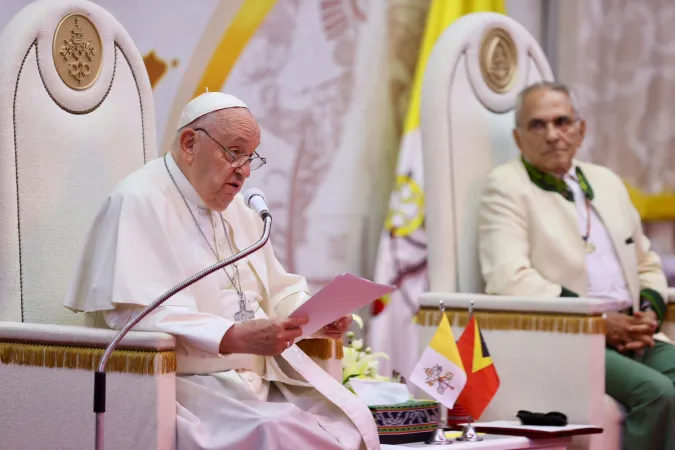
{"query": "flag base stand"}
[(469, 434), (438, 438)]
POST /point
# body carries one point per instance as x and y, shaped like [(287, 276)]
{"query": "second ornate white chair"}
[(549, 352)]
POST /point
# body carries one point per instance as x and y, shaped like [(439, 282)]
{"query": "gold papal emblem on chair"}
[(77, 51), (498, 60)]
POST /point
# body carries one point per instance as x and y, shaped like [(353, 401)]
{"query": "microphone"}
[(254, 200)]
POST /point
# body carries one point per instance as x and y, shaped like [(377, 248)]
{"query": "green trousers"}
[(645, 385)]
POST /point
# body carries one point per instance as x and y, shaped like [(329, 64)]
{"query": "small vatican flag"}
[(440, 372)]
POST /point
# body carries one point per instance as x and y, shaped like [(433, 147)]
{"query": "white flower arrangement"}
[(358, 362)]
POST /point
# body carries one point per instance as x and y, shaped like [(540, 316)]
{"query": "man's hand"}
[(336, 329), (265, 337), (642, 329), (617, 330), (630, 333)]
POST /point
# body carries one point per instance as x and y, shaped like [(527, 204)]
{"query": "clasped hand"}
[(631, 333)]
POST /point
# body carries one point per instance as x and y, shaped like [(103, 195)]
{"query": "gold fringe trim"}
[(509, 320), (322, 348), (670, 313), (140, 362)]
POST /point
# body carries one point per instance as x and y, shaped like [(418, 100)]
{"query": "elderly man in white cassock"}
[(242, 383)]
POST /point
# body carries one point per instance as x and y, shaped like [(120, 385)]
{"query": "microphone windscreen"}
[(248, 196)]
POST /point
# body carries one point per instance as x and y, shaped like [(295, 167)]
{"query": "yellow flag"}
[(441, 14), (440, 372), (444, 343), (402, 255)]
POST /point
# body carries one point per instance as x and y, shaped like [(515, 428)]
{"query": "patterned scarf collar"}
[(552, 183)]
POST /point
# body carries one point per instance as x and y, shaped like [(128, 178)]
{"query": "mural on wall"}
[(157, 67), (315, 73), (303, 104)]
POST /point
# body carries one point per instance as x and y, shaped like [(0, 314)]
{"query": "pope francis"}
[(242, 383)]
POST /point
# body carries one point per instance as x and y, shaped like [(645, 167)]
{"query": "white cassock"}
[(143, 242)]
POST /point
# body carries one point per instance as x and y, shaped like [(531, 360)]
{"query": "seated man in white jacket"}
[(242, 383), (554, 226)]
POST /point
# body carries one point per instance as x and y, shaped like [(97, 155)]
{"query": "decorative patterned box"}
[(402, 423)]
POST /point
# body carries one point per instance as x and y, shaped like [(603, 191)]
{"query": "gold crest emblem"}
[(77, 50), (498, 60)]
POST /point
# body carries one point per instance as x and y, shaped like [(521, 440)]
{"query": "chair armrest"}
[(47, 387), (77, 336), (484, 302), (326, 353)]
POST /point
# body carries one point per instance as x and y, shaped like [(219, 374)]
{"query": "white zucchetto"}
[(206, 103)]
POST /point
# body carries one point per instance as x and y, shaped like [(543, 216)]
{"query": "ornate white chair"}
[(76, 116), (549, 352)]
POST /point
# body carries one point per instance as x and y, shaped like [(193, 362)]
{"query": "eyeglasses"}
[(562, 124), (254, 161)]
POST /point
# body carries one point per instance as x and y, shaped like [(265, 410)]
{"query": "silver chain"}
[(236, 281)]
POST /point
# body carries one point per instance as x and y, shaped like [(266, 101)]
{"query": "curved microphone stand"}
[(99, 375)]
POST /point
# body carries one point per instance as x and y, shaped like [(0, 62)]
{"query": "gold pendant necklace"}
[(589, 247), (244, 314)]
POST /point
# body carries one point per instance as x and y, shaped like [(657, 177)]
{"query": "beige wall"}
[(528, 13), (617, 56)]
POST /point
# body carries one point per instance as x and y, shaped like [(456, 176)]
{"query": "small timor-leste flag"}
[(482, 379), (439, 371)]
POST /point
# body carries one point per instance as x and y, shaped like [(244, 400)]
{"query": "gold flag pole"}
[(468, 431), (438, 437)]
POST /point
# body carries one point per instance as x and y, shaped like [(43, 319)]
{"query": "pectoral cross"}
[(243, 314)]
